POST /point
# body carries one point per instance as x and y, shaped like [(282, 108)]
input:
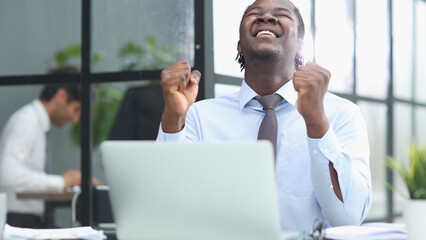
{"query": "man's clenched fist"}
[(180, 88)]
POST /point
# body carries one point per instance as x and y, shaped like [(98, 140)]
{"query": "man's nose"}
[(266, 18)]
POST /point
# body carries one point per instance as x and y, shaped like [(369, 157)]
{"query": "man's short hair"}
[(72, 89)]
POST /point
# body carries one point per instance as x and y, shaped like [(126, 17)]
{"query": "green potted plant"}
[(414, 176)]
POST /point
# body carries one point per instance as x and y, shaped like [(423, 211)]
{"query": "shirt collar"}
[(287, 92), (42, 115)]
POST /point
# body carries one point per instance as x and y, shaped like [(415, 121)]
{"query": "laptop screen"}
[(192, 191)]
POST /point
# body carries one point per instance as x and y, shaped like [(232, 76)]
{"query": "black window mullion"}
[(125, 76), (39, 79), (203, 24), (86, 118)]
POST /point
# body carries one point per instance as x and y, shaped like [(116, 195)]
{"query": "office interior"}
[(375, 51)]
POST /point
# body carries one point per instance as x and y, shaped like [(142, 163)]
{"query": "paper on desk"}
[(371, 231), (60, 233)]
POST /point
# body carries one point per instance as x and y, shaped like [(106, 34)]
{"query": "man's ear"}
[(61, 95)]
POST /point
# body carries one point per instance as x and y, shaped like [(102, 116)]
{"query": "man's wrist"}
[(317, 127), (171, 123)]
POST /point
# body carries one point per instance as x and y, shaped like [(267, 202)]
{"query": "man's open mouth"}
[(265, 32)]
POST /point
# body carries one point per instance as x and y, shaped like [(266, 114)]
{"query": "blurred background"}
[(375, 51)]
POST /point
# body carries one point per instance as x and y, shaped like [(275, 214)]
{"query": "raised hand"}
[(311, 83), (180, 88)]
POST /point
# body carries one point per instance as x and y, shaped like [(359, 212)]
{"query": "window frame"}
[(86, 79)]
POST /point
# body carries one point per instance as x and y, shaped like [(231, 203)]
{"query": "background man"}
[(322, 151), (23, 151)]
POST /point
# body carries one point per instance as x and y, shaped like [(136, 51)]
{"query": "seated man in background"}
[(23, 151), (322, 151)]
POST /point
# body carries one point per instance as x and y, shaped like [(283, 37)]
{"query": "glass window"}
[(33, 33), (372, 48), (420, 51), (14, 97), (335, 41), (224, 89), (305, 9), (403, 48), (420, 126), (375, 118), (402, 140), (403, 129), (226, 22), (141, 35)]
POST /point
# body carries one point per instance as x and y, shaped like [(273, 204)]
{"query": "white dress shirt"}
[(23, 157), (304, 187)]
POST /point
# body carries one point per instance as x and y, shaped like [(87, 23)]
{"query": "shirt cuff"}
[(171, 137), (325, 149), (57, 183)]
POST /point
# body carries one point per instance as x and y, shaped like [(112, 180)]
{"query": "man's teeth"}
[(267, 33)]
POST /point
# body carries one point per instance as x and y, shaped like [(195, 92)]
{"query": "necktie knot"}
[(269, 102)]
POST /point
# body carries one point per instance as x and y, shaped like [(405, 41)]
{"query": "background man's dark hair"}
[(300, 31), (72, 89)]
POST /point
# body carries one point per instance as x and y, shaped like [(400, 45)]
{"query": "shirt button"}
[(315, 151), (326, 151)]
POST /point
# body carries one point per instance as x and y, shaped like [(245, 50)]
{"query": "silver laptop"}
[(181, 191)]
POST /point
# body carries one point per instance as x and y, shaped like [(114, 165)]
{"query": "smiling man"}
[(322, 151)]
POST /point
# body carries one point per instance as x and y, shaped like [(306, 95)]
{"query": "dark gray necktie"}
[(268, 129)]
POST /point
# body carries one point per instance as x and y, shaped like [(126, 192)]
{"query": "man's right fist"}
[(180, 89)]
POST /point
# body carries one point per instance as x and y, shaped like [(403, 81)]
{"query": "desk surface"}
[(49, 197)]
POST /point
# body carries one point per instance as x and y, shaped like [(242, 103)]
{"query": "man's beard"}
[(271, 55)]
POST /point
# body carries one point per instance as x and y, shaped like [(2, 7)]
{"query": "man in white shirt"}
[(322, 155), (23, 150)]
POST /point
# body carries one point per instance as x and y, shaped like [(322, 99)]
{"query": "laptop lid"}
[(176, 191)]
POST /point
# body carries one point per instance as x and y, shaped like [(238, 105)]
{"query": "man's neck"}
[(266, 77), (48, 106)]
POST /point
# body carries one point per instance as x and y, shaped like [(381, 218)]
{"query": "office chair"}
[(139, 115), (102, 213)]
